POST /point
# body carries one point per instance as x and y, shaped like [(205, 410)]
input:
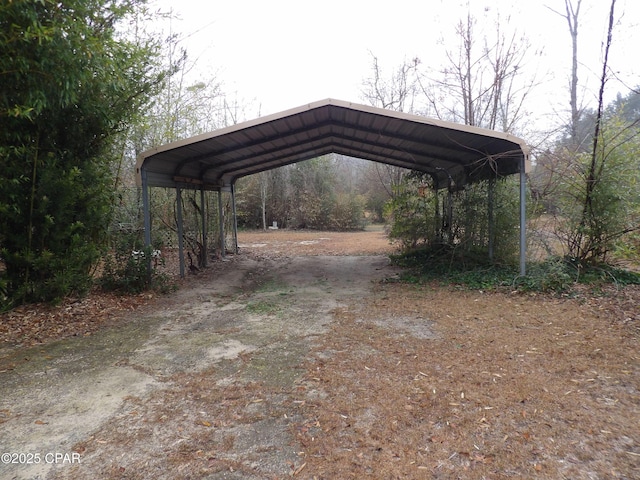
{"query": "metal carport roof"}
[(441, 149)]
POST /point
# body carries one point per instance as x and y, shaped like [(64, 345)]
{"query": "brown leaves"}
[(35, 324), (5, 413), (498, 405), (477, 457)]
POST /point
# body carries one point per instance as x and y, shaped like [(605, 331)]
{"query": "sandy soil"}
[(304, 357)]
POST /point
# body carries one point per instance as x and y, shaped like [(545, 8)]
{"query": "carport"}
[(453, 155)]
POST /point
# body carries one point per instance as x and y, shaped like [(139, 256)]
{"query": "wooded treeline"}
[(331, 192)]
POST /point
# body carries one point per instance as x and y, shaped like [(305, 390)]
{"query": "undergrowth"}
[(129, 273), (475, 271)]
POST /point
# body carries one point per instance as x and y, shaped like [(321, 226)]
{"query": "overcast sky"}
[(279, 54)]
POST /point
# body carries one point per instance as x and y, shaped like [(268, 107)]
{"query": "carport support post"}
[(490, 214), (235, 218), (146, 213), (203, 207), (523, 217), (221, 218), (180, 231)]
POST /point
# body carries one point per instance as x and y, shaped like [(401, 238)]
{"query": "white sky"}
[(279, 54)]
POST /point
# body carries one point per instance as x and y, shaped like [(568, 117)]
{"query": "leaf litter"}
[(408, 382)]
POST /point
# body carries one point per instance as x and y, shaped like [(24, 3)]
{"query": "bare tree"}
[(396, 92), (595, 186), (579, 247), (482, 83), (571, 15)]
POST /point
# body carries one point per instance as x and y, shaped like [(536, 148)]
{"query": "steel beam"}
[(146, 214), (180, 230), (235, 218), (221, 219), (523, 217), (203, 208)]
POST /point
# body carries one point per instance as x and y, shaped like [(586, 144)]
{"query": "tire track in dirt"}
[(204, 385)]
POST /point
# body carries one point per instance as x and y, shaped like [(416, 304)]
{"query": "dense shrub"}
[(128, 271), (423, 218), (69, 84)]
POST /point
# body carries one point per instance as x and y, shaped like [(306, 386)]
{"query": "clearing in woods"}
[(303, 357)]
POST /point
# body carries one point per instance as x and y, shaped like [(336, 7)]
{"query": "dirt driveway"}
[(212, 372), (275, 364)]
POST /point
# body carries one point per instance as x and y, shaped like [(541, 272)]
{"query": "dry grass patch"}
[(274, 243)]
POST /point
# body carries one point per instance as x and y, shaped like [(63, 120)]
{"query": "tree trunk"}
[(572, 20)]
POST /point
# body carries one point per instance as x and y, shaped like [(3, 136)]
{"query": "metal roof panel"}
[(433, 146)]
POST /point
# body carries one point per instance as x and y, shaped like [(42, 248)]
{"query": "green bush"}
[(412, 213), (599, 198), (71, 84), (421, 217), (554, 275), (443, 264), (127, 271)]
